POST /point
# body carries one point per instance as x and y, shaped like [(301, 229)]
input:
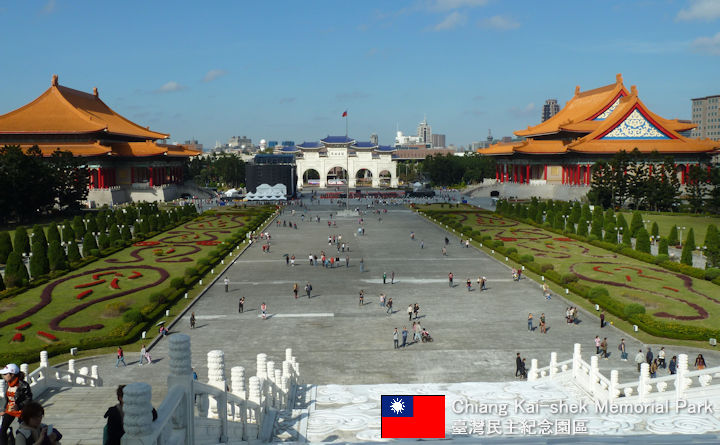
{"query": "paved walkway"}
[(337, 341)]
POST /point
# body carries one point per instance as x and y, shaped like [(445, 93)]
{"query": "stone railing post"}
[(255, 419), (643, 387), (576, 358), (25, 368), (137, 418), (553, 364), (681, 381), (2, 388), (216, 378), (237, 380), (95, 375), (44, 359), (594, 370), (181, 377), (71, 370), (280, 397), (285, 385), (84, 372), (613, 392), (270, 387), (296, 371), (533, 373), (261, 371), (287, 370)]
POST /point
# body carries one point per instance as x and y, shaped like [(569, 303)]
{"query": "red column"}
[(151, 175), (527, 175), (650, 170), (587, 174), (545, 172), (682, 176)]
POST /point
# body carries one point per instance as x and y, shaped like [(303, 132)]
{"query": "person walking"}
[(308, 289), (649, 356), (483, 283), (416, 309), (227, 284), (639, 359), (263, 310), (672, 367), (17, 395), (530, 322), (410, 312), (450, 279), (518, 365), (602, 319), (362, 298), (603, 348), (389, 306), (295, 290), (543, 328), (384, 277), (661, 357), (546, 291), (653, 369), (347, 259), (700, 362), (142, 355), (192, 320), (422, 244), (362, 265), (468, 283), (241, 305), (120, 357), (382, 300), (396, 338), (392, 277), (597, 344), (404, 336), (622, 349)]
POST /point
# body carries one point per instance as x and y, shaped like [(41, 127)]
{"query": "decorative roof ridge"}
[(602, 89)]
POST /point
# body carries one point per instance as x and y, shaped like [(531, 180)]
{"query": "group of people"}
[(541, 324), (419, 334)]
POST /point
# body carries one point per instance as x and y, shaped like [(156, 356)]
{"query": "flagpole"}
[(347, 167)]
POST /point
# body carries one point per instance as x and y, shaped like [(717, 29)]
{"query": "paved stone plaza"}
[(339, 342)]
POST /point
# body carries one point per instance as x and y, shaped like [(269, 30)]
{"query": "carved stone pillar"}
[(137, 419), (216, 377), (261, 371), (181, 376), (44, 359)]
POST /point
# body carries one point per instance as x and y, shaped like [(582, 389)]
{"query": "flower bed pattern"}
[(18, 337), (83, 294), (23, 326), (47, 336)]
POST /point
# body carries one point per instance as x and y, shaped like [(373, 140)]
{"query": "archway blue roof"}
[(386, 148), (364, 145), (310, 145), (337, 140)]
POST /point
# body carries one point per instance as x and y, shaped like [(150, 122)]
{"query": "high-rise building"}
[(550, 109), (239, 141), (706, 115), (374, 139), (424, 132), (438, 140)]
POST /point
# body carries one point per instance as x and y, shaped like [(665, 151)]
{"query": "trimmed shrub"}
[(78, 226), (598, 292), (57, 260), (114, 233), (712, 273), (569, 278), (125, 233), (686, 255), (203, 262), (16, 273), (52, 234), (655, 230), (177, 283), (133, 316), (158, 298), (663, 247), (73, 253), (68, 234), (510, 251), (663, 257), (633, 309), (21, 242), (39, 264), (636, 223), (5, 247), (526, 258), (89, 244), (544, 267), (642, 240), (2, 284), (95, 253), (191, 272), (673, 236), (103, 241)]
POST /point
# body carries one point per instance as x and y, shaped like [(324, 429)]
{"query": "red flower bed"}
[(627, 277), (170, 250), (114, 284), (90, 284), (506, 238), (18, 337), (562, 239), (46, 335), (118, 274), (196, 236), (84, 294), (23, 326), (216, 242), (671, 288), (597, 269), (98, 275), (147, 243), (135, 274)]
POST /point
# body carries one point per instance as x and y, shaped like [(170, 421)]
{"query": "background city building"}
[(438, 140), (424, 132), (550, 109), (705, 114)]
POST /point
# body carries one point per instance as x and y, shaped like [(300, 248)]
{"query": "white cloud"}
[(527, 110), (49, 7), (708, 45), (213, 74), (500, 23), (170, 87), (706, 10), (447, 5), (452, 21)]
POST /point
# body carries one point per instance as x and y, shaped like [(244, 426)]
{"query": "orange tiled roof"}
[(77, 149), (62, 110), (498, 148), (583, 106), (180, 150), (137, 149), (532, 146)]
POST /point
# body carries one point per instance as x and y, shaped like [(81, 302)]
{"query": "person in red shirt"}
[(17, 395), (450, 279)]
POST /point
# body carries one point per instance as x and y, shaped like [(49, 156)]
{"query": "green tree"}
[(712, 245), (586, 214), (126, 235), (39, 264), (576, 212), (92, 224), (73, 253), (114, 234), (600, 193), (663, 247), (68, 234), (38, 235), (103, 241), (89, 244), (636, 223), (637, 179), (21, 243), (673, 239), (78, 226), (5, 247), (642, 241), (57, 259), (625, 232), (686, 255), (53, 234), (655, 231), (691, 239), (70, 179), (582, 228), (712, 203), (611, 234), (696, 187), (24, 174), (16, 273)]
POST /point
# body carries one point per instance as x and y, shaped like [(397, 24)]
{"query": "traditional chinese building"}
[(125, 161), (327, 163), (593, 126)]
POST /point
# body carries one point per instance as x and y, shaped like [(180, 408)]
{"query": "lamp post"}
[(588, 226), (619, 231), (681, 233), (646, 222)]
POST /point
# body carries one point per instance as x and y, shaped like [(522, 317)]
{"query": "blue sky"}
[(288, 69)]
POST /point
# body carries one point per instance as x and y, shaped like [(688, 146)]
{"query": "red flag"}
[(344, 114), (412, 417)]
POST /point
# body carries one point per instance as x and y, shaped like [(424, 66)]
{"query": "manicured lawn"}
[(78, 306), (665, 223), (667, 295)]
